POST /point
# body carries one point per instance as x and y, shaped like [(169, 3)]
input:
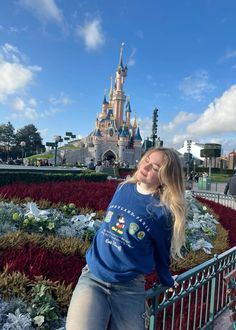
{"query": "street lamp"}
[(57, 139), (189, 145), (22, 144)]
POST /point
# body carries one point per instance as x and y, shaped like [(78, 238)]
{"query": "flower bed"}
[(227, 217), (84, 194)]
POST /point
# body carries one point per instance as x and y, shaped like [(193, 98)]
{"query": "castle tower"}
[(137, 146), (118, 93), (127, 113), (122, 144), (97, 141), (104, 104)]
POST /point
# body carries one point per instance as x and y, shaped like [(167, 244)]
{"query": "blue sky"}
[(57, 56)]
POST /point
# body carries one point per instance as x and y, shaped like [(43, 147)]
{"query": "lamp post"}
[(22, 144), (189, 145), (57, 139)]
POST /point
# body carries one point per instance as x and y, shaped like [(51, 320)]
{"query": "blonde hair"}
[(171, 193)]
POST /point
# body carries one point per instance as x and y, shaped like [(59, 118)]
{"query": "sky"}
[(57, 57)]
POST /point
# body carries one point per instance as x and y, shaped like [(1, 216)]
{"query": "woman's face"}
[(148, 169)]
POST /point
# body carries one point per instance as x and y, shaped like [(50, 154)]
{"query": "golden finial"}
[(135, 121), (111, 91)]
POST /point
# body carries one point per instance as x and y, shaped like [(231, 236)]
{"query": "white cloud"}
[(178, 139), (183, 117), (15, 75), (11, 53), (18, 104), (31, 113), (15, 29), (139, 34), (62, 99), (196, 85), (14, 78), (219, 117), (45, 10), (92, 34), (50, 112), (151, 80), (24, 109), (230, 54), (215, 125), (43, 132), (132, 60), (33, 103)]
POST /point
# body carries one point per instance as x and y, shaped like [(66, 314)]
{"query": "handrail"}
[(226, 200), (201, 292)]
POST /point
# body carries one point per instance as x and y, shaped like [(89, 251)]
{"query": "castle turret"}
[(127, 113), (137, 146), (118, 93), (97, 141), (134, 127), (122, 143), (111, 94)]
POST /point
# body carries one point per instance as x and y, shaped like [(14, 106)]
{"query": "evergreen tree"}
[(33, 141), (7, 139)]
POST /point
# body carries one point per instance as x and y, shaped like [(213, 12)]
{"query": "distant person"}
[(91, 165), (98, 167), (231, 187)]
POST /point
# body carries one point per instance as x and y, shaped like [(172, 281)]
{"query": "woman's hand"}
[(175, 283)]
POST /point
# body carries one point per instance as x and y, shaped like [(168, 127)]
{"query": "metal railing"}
[(198, 300), (222, 199)]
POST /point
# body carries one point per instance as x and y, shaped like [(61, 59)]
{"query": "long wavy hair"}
[(171, 192)]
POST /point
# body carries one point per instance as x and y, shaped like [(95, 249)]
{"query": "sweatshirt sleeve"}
[(162, 244)]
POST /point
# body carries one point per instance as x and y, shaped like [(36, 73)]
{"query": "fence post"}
[(213, 288), (153, 315)]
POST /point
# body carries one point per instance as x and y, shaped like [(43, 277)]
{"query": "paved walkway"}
[(223, 322), (215, 187)]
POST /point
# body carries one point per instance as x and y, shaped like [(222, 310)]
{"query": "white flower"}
[(38, 320)]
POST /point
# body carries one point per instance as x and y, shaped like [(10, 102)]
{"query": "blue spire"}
[(128, 107), (137, 135), (105, 100), (120, 65), (123, 133), (97, 132)]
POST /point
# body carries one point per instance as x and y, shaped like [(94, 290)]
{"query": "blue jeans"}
[(98, 305)]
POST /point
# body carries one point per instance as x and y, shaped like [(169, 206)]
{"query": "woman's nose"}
[(147, 166)]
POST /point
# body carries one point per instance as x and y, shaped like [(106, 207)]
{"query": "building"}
[(232, 160), (114, 138), (194, 148)]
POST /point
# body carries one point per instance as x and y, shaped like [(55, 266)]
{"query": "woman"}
[(143, 226)]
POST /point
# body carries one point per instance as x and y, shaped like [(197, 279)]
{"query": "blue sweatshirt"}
[(135, 238)]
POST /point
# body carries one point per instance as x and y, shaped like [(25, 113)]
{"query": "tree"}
[(33, 141), (7, 139), (154, 126)]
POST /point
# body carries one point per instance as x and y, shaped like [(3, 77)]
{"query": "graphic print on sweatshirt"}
[(123, 227)]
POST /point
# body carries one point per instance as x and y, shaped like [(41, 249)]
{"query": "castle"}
[(114, 138)]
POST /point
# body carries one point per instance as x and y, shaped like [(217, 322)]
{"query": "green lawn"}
[(220, 177)]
